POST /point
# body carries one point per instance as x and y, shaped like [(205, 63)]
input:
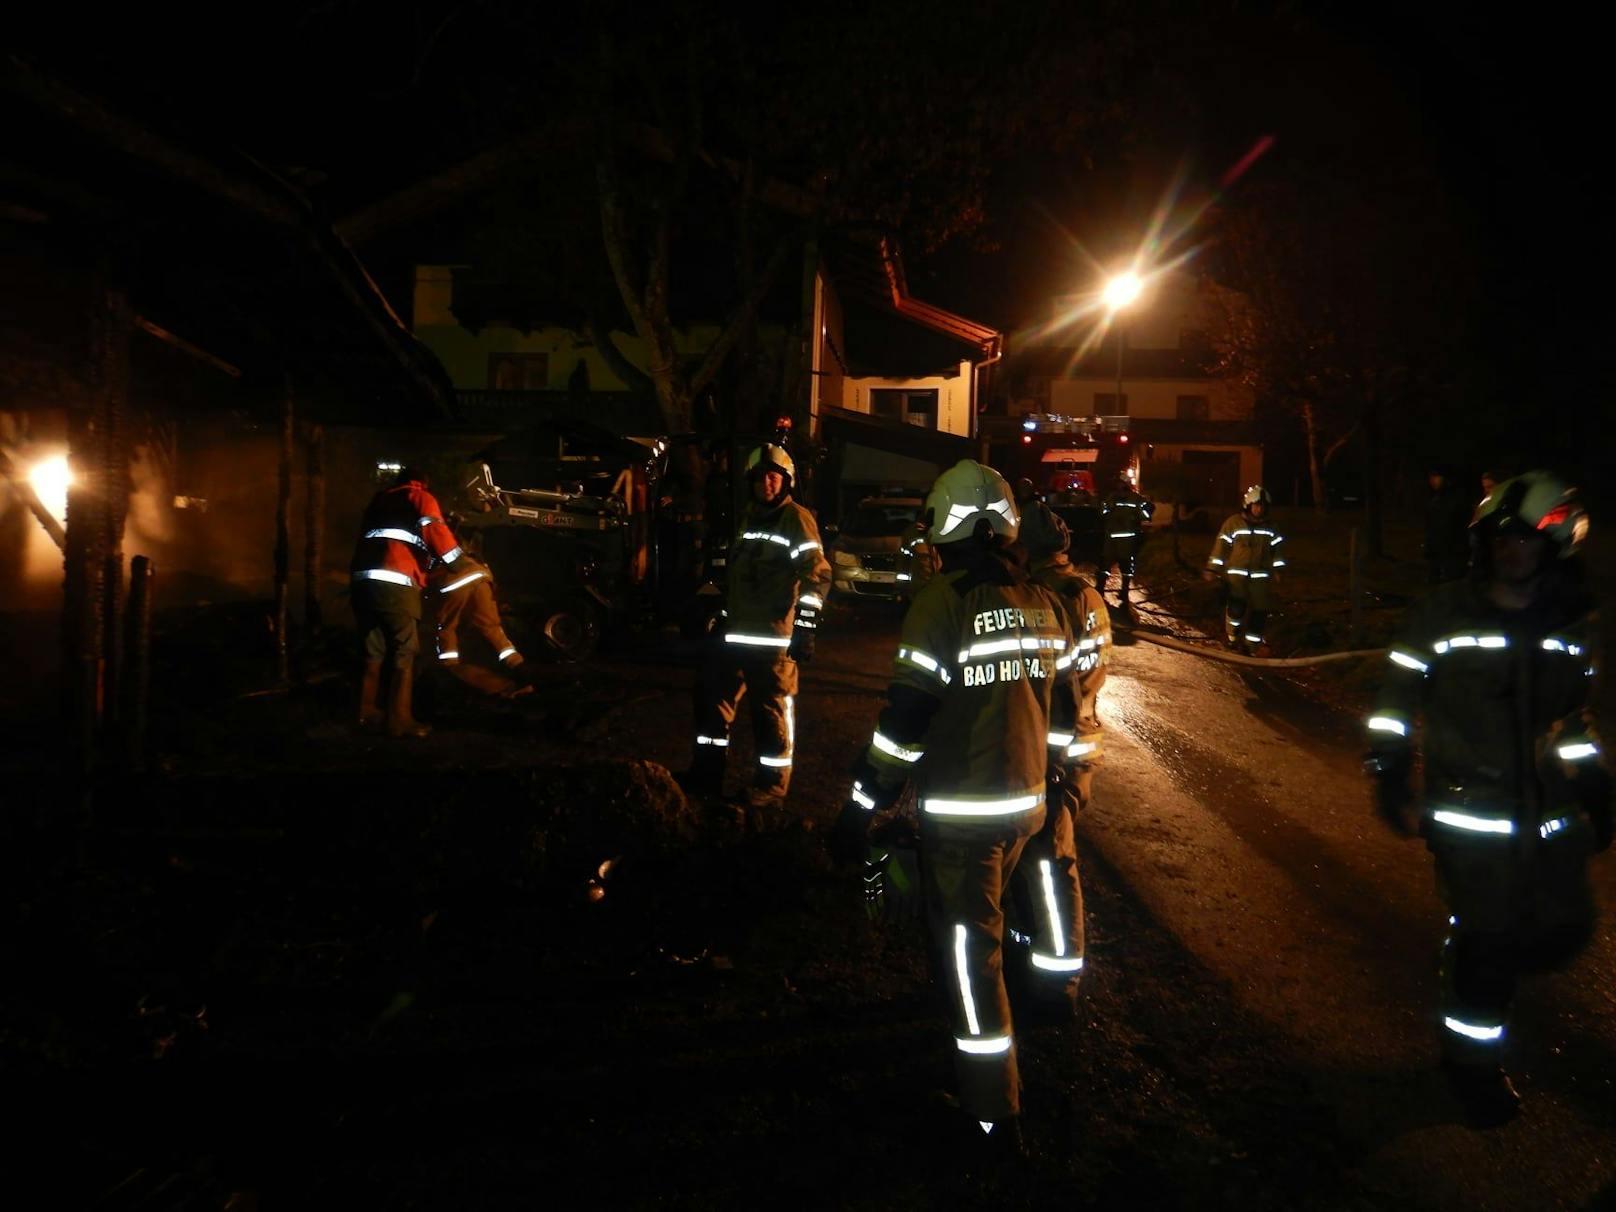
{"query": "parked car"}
[(880, 551)]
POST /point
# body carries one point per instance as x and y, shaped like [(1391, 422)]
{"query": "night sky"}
[(1499, 118)]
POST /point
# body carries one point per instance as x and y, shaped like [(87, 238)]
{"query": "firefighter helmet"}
[(967, 494), (1253, 495), (1537, 502), (770, 455)]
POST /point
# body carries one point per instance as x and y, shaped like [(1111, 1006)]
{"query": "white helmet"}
[(1253, 495), (770, 455), (965, 494)]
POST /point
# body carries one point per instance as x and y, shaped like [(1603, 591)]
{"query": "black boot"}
[(1485, 1092)]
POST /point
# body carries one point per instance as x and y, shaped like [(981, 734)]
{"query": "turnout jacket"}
[(980, 700), (778, 575), (402, 531), (1507, 734), (1247, 549), (1126, 514), (1090, 624)]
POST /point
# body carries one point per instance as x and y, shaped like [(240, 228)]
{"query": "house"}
[(188, 341), (892, 384), (1193, 428)]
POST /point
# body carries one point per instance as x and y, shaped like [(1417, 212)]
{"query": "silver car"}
[(880, 551)]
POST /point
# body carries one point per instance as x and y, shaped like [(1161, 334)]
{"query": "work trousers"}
[(731, 672), (473, 603), (387, 616), (967, 870), (1509, 914), (1049, 899), (1245, 611), (1124, 553)]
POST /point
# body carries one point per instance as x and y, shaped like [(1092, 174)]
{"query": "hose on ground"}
[(1240, 658)]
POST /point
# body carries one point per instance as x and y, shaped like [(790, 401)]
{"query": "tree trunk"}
[(1374, 539), (1315, 469)]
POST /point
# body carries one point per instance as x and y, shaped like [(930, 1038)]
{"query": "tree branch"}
[(714, 359)]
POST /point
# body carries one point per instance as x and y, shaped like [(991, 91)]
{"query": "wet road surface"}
[(1269, 944)]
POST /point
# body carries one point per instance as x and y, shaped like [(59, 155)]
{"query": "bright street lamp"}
[(1122, 290), (1119, 292)]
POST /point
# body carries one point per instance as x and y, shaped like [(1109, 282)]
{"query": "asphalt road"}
[(1262, 950), (1256, 1028)]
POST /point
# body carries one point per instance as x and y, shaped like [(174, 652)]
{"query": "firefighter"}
[(1517, 795), (983, 659), (1047, 541), (1245, 554), (778, 578), (1125, 513), (402, 533), (466, 591)]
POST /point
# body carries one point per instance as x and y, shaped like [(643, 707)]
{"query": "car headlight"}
[(845, 559)]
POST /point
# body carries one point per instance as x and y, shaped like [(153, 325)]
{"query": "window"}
[(1106, 404), (1193, 408), (908, 407), (518, 372)]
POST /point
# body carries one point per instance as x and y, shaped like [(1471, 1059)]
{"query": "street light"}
[(1119, 292)]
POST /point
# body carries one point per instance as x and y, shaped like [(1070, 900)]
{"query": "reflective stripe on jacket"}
[(401, 533), (777, 571), (1247, 548), (991, 656), (1461, 665)]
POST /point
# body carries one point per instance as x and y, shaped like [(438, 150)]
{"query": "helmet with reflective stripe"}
[(770, 455), (965, 495), (1255, 494), (1538, 502)]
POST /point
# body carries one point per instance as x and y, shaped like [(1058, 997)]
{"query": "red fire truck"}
[(1073, 463)]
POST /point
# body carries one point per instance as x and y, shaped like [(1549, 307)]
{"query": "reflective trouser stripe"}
[(1047, 872), (967, 998), (1487, 1033)]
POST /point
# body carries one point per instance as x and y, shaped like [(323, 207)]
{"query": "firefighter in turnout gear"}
[(1046, 540), (1492, 677), (1246, 554), (778, 578), (465, 591), (401, 535), (980, 710), (1126, 512)]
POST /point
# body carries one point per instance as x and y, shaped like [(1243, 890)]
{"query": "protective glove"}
[(847, 840), (892, 874), (1394, 795), (802, 646)]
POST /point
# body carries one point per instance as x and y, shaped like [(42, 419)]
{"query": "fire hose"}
[(1240, 658)]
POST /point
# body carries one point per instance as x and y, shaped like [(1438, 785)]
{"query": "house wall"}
[(1147, 397), (954, 400), (465, 354), (829, 371)]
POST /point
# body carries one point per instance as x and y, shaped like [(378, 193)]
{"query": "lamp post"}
[(1119, 292)]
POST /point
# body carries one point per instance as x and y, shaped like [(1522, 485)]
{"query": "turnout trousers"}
[(1245, 613), (768, 677), (1509, 914), (473, 604), (966, 871)]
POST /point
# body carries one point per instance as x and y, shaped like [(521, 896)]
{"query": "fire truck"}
[(1073, 463)]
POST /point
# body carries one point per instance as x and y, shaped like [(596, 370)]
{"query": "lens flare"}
[(50, 479)]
